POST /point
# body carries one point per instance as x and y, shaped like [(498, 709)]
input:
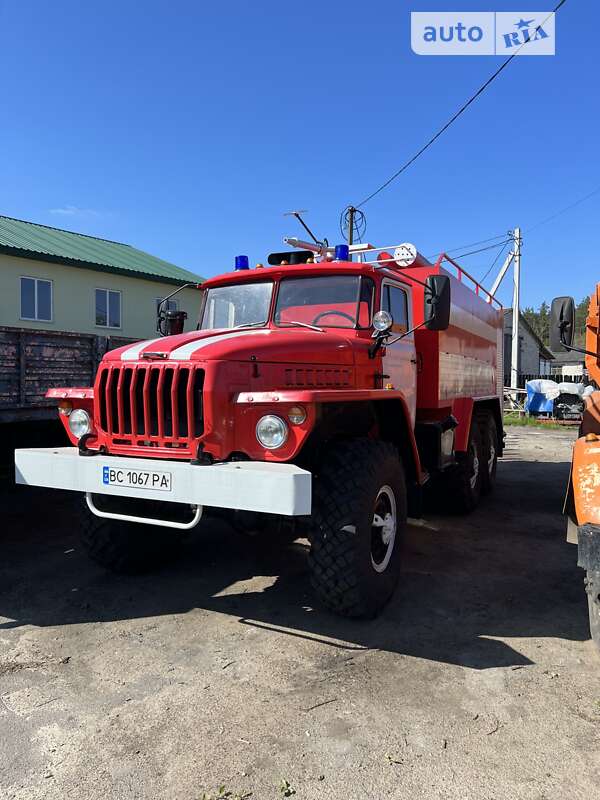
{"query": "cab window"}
[(395, 301), (330, 301)]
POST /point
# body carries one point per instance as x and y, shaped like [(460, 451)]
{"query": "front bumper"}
[(282, 489)]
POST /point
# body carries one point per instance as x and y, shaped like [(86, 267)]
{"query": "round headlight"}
[(79, 423), (271, 431), (382, 321)]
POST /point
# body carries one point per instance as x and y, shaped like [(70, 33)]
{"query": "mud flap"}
[(588, 548)]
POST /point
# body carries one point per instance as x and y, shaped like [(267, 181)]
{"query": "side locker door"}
[(400, 361)]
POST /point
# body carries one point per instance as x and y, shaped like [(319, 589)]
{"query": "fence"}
[(32, 361), (524, 377)]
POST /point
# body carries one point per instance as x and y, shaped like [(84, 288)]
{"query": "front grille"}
[(158, 404)]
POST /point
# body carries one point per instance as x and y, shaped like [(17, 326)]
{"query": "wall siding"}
[(529, 351), (74, 299)]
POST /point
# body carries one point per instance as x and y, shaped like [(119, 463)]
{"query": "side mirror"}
[(562, 323), (436, 310), (170, 323)]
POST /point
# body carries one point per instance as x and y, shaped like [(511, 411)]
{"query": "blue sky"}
[(187, 129)]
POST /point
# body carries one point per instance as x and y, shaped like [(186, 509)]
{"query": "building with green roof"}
[(57, 280)]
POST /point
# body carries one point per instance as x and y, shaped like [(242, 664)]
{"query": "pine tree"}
[(581, 312)]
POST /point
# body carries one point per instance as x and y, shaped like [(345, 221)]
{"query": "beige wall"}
[(74, 298)]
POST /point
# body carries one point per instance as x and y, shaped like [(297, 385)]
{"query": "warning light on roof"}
[(342, 252), (241, 262)]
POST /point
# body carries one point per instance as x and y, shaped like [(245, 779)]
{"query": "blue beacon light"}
[(342, 252), (241, 262)]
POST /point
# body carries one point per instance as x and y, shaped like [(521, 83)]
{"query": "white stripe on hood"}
[(133, 352), (186, 351)]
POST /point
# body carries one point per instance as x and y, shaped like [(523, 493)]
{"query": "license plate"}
[(137, 478)]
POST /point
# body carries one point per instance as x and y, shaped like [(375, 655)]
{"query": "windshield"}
[(237, 305), (333, 301)]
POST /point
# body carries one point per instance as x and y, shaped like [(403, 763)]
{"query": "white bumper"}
[(245, 485)]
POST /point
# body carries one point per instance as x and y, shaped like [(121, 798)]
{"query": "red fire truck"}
[(318, 396)]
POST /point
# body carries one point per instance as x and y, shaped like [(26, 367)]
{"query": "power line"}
[(527, 230), (495, 261), (563, 210), (452, 119), (474, 244), (483, 249)]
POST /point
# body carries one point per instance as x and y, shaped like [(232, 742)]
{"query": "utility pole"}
[(514, 359), (351, 211)]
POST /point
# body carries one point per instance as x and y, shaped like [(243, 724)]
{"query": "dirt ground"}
[(478, 681)]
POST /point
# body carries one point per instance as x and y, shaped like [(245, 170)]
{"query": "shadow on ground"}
[(468, 583)]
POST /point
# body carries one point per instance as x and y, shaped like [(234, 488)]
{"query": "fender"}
[(462, 409), (585, 479), (311, 398)]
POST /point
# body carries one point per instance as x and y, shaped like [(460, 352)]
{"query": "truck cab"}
[(320, 397)]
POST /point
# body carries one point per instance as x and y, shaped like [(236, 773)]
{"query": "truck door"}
[(399, 361)]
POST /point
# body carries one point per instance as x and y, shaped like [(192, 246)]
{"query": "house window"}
[(108, 308), (36, 299), (168, 305)]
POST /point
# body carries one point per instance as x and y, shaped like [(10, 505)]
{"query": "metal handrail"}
[(165, 523), (461, 272)]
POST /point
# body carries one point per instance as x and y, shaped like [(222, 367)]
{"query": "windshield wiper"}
[(249, 325), (301, 325)]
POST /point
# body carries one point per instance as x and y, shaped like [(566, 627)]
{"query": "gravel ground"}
[(478, 681)]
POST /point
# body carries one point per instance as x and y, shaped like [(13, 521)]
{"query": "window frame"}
[(208, 289), (407, 297), (35, 280), (118, 327), (361, 279)]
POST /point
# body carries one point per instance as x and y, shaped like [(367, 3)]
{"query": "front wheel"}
[(127, 547), (357, 527)]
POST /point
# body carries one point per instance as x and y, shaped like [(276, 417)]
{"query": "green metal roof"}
[(29, 240)]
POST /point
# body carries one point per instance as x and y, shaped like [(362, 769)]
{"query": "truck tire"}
[(592, 587), (489, 442), (266, 529), (464, 485), (357, 527), (127, 547)]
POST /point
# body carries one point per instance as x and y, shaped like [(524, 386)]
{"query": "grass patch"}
[(525, 421)]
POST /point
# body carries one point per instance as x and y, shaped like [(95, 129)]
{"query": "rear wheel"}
[(357, 527), (489, 444), (465, 481), (127, 547)]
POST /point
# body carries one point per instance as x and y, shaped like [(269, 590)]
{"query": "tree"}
[(581, 312), (539, 321)]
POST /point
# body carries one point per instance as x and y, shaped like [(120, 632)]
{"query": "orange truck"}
[(582, 503)]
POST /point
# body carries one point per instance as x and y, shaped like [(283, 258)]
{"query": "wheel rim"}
[(474, 465), (383, 529)]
